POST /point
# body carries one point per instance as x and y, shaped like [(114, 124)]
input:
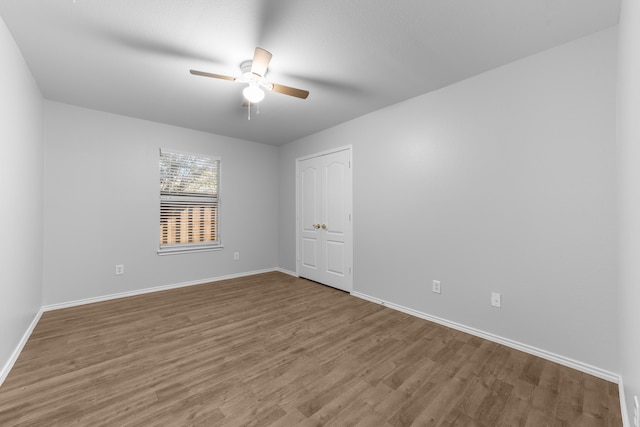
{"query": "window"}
[(189, 202)]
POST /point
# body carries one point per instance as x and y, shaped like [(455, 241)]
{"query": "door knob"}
[(324, 226), (316, 226)]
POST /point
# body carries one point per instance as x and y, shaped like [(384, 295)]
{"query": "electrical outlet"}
[(236, 256), (496, 299), (436, 286), (119, 269), (636, 414)]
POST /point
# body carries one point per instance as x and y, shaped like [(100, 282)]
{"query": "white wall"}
[(505, 182), (629, 169), (102, 205), (21, 189)]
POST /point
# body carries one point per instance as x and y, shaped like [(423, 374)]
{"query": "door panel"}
[(335, 258), (310, 202), (324, 229), (335, 194), (310, 253), (310, 214)]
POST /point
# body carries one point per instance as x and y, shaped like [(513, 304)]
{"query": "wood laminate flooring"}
[(274, 350)]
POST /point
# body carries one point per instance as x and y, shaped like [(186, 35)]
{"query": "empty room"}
[(310, 213)]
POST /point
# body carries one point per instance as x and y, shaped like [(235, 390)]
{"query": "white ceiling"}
[(132, 57)]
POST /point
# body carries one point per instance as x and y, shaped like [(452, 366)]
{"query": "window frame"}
[(189, 199)]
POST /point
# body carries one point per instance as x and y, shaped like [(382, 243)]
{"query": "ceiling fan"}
[(253, 73)]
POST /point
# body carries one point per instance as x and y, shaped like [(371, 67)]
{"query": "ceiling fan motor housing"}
[(248, 77), (245, 66)]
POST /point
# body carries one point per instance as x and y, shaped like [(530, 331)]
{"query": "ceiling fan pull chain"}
[(249, 112)]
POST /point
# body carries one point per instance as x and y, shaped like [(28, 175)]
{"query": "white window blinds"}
[(189, 202)]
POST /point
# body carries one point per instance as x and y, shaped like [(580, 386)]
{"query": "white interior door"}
[(324, 219)]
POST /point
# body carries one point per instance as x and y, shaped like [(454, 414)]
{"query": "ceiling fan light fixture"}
[(253, 93)]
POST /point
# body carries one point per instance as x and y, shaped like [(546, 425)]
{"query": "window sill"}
[(189, 250)]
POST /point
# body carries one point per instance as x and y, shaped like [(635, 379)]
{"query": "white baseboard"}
[(149, 290), (623, 404), (566, 361), (14, 356)]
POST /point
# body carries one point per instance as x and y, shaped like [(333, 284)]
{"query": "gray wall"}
[(102, 205), (629, 169), (505, 182), (21, 190)]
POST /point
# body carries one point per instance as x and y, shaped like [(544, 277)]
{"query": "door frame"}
[(349, 252)]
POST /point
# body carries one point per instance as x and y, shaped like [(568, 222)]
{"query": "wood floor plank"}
[(274, 350)]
